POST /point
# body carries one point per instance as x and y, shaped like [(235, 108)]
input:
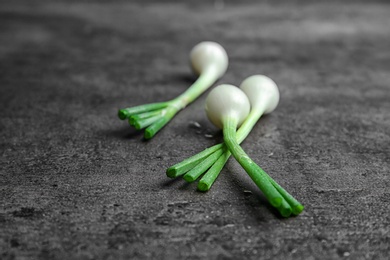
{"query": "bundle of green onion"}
[(210, 61), (229, 107)]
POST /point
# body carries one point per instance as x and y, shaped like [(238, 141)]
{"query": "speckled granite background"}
[(77, 183)]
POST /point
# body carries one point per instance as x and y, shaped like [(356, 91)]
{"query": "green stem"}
[(248, 124), (204, 81), (189, 163), (160, 123), (134, 118), (142, 123), (211, 175), (285, 209), (297, 207), (127, 112), (254, 171), (199, 169)]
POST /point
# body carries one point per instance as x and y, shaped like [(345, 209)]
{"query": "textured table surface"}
[(78, 183)]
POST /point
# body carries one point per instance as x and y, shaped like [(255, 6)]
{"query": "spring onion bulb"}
[(210, 61), (227, 101), (263, 95)]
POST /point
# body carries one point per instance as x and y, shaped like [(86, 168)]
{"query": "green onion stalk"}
[(210, 61)]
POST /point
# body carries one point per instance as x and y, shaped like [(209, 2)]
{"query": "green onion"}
[(263, 95), (210, 61), (188, 164)]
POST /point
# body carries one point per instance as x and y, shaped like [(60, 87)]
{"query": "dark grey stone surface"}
[(77, 183)]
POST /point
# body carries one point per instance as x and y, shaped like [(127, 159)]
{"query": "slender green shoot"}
[(211, 175), (296, 206), (160, 122), (254, 171), (125, 113), (134, 118), (189, 163), (142, 123), (199, 169)]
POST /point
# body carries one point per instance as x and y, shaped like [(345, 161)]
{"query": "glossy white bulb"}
[(226, 101), (209, 55), (263, 93)]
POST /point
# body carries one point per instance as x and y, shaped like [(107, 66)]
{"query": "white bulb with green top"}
[(263, 95), (210, 61)]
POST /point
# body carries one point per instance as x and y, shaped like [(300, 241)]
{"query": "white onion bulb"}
[(226, 100), (209, 55), (263, 93)]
